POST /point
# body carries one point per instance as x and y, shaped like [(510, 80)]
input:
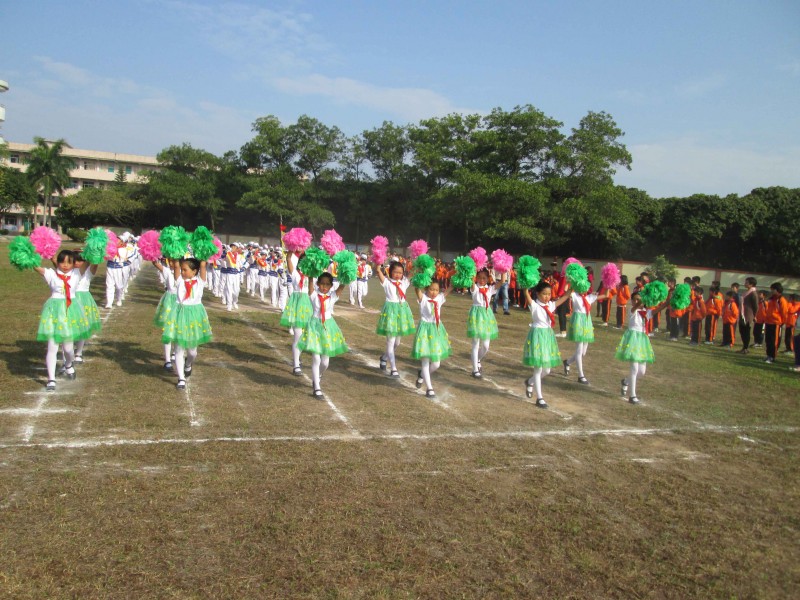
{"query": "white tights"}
[(297, 333), (391, 346), (479, 349), (184, 357), (637, 370), (52, 357), (168, 353), (428, 369), (577, 358), (319, 364), (538, 373)]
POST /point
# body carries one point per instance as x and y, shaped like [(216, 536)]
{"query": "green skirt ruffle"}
[(431, 342), (580, 328), (88, 307), (635, 346), (322, 339), (396, 320), (62, 324), (165, 309), (188, 327), (541, 348), (481, 323), (298, 311)]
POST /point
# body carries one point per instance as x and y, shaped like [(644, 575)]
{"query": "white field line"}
[(328, 401), (465, 435), (194, 420), (28, 428)]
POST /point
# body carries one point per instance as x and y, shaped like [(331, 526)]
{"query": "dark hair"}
[(393, 264), (764, 292), (485, 271), (541, 286), (623, 280), (696, 279), (193, 263), (735, 285), (327, 276), (699, 290), (751, 280), (65, 255), (777, 287), (729, 294)]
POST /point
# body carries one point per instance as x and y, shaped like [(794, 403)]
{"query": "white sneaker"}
[(236, 305), (108, 306), (230, 308), (119, 302)]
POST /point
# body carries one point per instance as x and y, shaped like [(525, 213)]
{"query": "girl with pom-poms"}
[(431, 342), (167, 305), (541, 349), (322, 336), (635, 347), (396, 319), (298, 309), (85, 303), (481, 323), (188, 328)]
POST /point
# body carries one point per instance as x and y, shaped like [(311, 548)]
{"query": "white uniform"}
[(116, 277)]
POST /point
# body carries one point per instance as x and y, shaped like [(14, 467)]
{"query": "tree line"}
[(511, 178)]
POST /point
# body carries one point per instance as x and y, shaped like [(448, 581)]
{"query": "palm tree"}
[(49, 170)]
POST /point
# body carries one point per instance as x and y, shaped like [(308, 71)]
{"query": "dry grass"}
[(246, 486)]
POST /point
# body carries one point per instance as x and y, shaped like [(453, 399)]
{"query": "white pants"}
[(252, 279), (361, 293), (273, 289), (233, 285), (263, 285), (115, 285)]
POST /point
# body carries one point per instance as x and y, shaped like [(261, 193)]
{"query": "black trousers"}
[(758, 333), (771, 339), (620, 315), (561, 311), (727, 334), (685, 325), (696, 327), (744, 333), (673, 324)]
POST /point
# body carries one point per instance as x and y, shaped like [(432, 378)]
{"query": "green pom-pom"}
[(174, 242), (465, 272), (576, 273), (681, 296), (425, 268), (203, 246), (23, 255), (346, 267), (314, 263), (95, 246), (421, 280), (654, 293), (582, 286), (527, 269)]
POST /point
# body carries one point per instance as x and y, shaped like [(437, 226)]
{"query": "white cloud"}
[(409, 103), (685, 166), (697, 88)]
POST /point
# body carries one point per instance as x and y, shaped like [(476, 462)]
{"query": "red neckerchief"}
[(235, 258), (643, 314), (586, 304), (435, 311), (399, 291), (549, 313), (361, 271), (65, 279), (485, 293), (302, 280), (322, 300), (189, 285)]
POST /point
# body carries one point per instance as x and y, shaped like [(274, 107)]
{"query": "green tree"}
[(120, 178), (15, 190), (93, 206), (49, 170)]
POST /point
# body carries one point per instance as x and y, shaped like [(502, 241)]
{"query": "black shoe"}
[(623, 388), (540, 403), (78, 359), (634, 400), (181, 385), (168, 366), (430, 394), (477, 374), (318, 394), (187, 371), (528, 388), (297, 371), (70, 372), (505, 312), (382, 363), (420, 380), (395, 374), (51, 386), (566, 367), (583, 381)]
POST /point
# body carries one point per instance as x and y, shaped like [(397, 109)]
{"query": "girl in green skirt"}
[(481, 324), (167, 305), (396, 319), (298, 309), (431, 343), (86, 304), (581, 330), (188, 327), (635, 347), (322, 336), (541, 349)]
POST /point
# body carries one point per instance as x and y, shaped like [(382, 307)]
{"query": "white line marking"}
[(194, 421), (35, 412), (465, 435)]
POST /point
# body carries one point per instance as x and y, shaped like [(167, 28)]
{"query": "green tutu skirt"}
[(396, 320), (165, 309), (541, 348), (580, 328), (322, 339), (481, 323), (298, 311), (431, 342), (88, 308), (62, 324), (188, 326), (635, 347)]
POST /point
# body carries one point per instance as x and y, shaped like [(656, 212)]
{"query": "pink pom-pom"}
[(568, 262), (417, 247), (46, 241), (611, 276), (380, 247), (332, 242), (502, 261), (297, 239), (113, 245), (149, 246), (479, 256), (215, 257)]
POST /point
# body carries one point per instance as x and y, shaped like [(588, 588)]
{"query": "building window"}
[(110, 168), (86, 165), (14, 159), (88, 184), (128, 169), (73, 184)]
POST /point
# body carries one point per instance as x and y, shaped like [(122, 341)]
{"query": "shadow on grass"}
[(23, 356)]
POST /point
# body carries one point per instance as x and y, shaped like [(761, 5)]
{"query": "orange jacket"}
[(714, 305), (777, 311), (698, 310), (761, 313), (794, 309), (623, 295), (730, 313)]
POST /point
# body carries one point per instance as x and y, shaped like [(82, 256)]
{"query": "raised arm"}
[(563, 299), (203, 270), (157, 264), (379, 271)]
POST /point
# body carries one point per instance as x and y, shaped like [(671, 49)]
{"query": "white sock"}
[(315, 371), (297, 334), (179, 361), (426, 373), (476, 349), (632, 379), (167, 353), (391, 344)]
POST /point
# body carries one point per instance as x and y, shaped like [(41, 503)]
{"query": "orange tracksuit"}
[(791, 322), (776, 315), (713, 310), (696, 316), (623, 295), (730, 316)]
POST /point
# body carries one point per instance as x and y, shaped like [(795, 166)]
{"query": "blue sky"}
[(706, 91)]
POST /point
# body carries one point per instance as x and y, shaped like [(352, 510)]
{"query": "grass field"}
[(119, 485)]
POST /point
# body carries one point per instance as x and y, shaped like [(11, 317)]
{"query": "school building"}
[(92, 169)]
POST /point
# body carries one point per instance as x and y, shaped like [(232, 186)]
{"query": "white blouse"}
[(426, 310), (197, 291), (636, 321), (391, 290), (477, 296), (539, 317), (58, 287), (331, 298), (577, 302)]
